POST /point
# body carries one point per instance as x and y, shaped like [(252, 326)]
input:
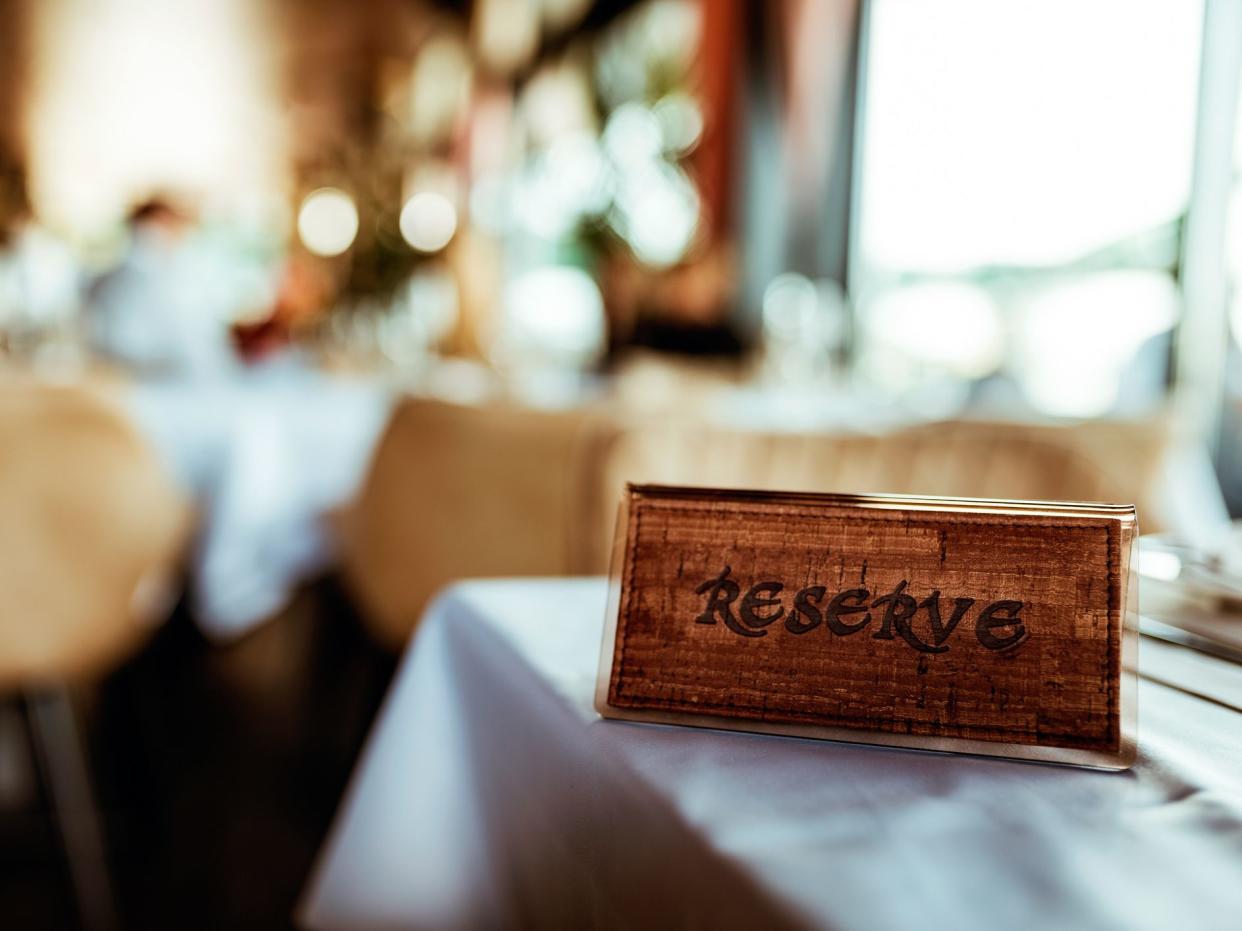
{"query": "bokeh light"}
[(428, 221), (328, 221), (657, 211), (554, 317)]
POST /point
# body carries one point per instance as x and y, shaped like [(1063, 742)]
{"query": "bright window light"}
[(1076, 337), (1022, 133), (952, 327)]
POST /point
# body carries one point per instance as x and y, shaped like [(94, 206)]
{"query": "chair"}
[(459, 492), (456, 492), (92, 532), (1122, 462)]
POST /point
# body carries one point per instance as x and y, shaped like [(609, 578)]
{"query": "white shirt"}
[(162, 311)]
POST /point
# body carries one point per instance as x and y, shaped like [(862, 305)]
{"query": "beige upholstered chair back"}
[(90, 527), (1114, 462), (457, 492)]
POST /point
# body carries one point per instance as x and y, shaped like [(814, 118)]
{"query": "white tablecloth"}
[(268, 454), (492, 795)]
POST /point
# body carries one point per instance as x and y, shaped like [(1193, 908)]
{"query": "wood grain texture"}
[(904, 618)]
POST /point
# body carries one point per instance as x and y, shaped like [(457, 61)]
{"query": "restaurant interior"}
[(332, 332)]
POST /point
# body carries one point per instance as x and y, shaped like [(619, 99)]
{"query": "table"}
[(491, 795), (268, 454)]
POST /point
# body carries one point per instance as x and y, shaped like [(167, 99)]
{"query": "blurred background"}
[(308, 309)]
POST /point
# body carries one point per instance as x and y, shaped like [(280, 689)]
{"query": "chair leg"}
[(66, 777)]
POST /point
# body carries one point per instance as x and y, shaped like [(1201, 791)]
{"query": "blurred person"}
[(159, 311)]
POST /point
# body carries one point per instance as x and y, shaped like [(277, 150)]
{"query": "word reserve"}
[(997, 627)]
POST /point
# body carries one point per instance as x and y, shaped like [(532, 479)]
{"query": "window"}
[(1023, 172)]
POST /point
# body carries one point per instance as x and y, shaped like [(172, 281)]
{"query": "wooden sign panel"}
[(988, 627)]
